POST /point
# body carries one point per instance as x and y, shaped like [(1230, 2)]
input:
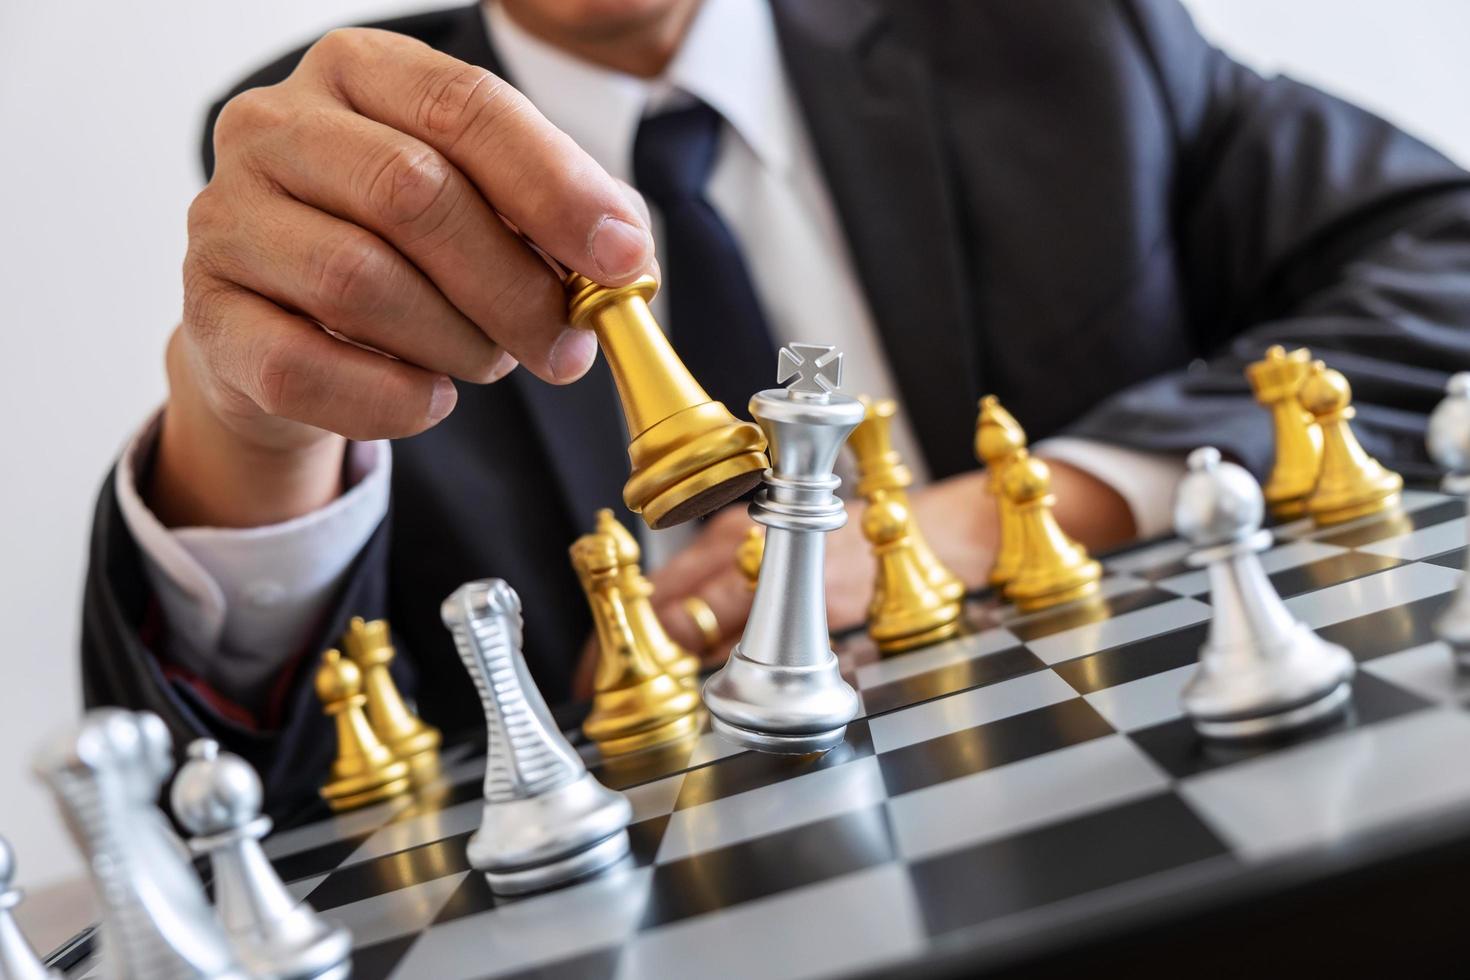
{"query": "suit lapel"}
[(871, 117), (580, 425)]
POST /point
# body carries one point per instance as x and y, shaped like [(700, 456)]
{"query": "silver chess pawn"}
[(781, 690), (156, 921), (1261, 671), (18, 961), (217, 797), (1448, 439), (546, 820)]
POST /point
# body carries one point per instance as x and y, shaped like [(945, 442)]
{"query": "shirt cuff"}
[(240, 602), (1144, 480)]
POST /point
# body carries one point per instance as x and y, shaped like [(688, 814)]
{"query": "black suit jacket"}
[(1078, 205)]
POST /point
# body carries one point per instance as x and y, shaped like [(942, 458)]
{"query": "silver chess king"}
[(781, 690)]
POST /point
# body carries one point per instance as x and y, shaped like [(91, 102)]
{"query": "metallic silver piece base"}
[(779, 744), (579, 865), (782, 689), (1261, 671), (1333, 703), (545, 820)]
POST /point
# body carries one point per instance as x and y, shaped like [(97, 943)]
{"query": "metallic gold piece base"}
[(999, 442), (1276, 381), (881, 472), (1351, 483), (637, 705), (365, 770), (690, 456), (370, 646), (1054, 569), (648, 632), (906, 611)]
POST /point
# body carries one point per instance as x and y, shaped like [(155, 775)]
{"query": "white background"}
[(100, 108)]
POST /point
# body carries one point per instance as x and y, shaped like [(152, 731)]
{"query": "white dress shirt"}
[(239, 602)]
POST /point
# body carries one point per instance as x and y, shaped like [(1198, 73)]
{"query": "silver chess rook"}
[(156, 922), (217, 798), (1261, 671), (1448, 440), (781, 690), (546, 819)]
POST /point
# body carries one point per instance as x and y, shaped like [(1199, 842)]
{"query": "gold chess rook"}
[(689, 455)]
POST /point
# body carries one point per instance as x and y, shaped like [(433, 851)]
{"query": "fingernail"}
[(572, 354), (618, 248), (441, 403)]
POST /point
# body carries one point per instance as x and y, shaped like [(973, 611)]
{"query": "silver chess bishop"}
[(546, 819), (781, 690), (1261, 671), (217, 798), (1448, 440), (156, 922)]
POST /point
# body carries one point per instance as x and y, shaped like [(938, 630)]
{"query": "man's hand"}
[(365, 194)]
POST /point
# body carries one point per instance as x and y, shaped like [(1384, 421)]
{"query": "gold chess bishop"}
[(648, 631), (999, 443), (370, 646), (690, 456), (636, 704)]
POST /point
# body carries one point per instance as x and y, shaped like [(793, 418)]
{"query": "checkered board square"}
[(1020, 780)]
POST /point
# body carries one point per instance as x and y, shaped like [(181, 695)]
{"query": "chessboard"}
[(1025, 796)]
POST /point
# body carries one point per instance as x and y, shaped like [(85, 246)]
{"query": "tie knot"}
[(674, 152)]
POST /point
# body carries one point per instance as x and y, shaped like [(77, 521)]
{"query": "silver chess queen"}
[(781, 690)]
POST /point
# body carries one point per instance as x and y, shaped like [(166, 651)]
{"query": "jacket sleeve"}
[(122, 666), (1301, 220)]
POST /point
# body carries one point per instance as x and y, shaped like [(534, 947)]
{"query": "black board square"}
[(989, 668)]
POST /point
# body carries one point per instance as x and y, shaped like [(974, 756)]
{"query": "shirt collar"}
[(729, 59)]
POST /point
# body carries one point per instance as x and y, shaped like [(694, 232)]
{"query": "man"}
[(1079, 206)]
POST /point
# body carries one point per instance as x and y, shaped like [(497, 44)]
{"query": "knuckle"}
[(460, 97), (340, 45), (350, 273), (252, 111), (408, 187), (280, 377)]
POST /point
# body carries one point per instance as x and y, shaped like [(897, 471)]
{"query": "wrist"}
[(209, 471)]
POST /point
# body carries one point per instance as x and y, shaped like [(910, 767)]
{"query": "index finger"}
[(527, 169)]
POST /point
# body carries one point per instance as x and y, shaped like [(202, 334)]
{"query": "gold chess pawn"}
[(882, 471), (690, 456), (365, 770), (999, 442), (1054, 568), (636, 705), (1351, 483), (906, 610), (370, 646), (748, 555), (638, 597), (1276, 381)]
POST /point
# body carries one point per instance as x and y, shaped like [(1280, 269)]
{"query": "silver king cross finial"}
[(817, 368)]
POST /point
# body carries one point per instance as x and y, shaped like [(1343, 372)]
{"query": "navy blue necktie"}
[(716, 323)]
